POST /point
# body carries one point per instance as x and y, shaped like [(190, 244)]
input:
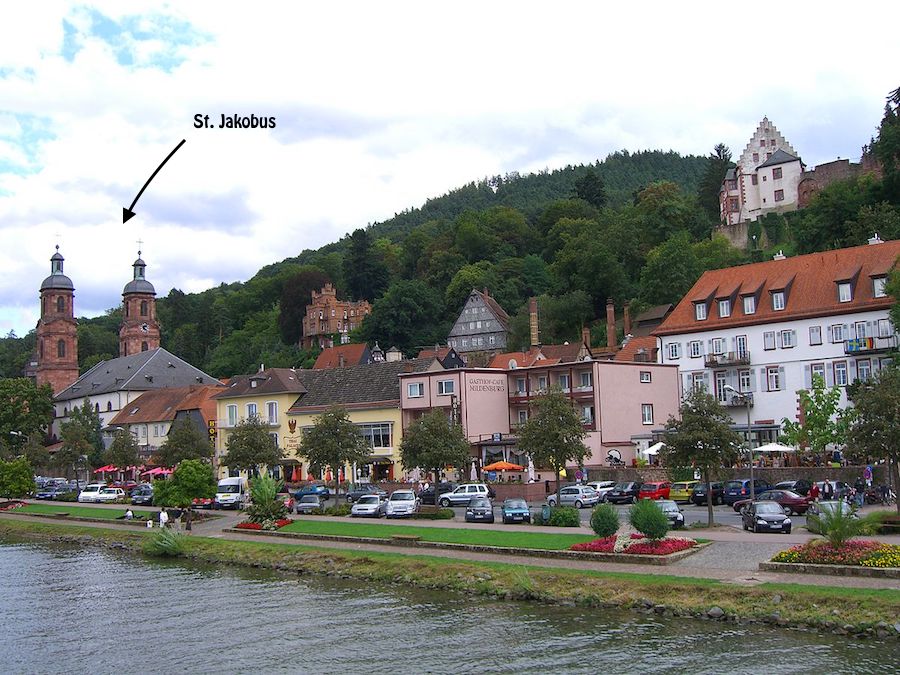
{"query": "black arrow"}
[(128, 214)]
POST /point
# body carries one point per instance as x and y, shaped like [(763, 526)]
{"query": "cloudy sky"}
[(378, 106)]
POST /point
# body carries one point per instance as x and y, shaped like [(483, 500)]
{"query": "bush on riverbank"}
[(647, 518), (605, 520), (164, 543), (857, 553)]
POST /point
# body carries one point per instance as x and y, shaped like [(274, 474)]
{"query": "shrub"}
[(564, 516), (440, 514), (646, 517), (839, 526), (605, 520), (266, 506), (165, 543), (337, 510), (885, 522)]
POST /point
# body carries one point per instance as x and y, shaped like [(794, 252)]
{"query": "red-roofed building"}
[(639, 350), (766, 329), (343, 356)]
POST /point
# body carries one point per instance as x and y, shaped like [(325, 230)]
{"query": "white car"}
[(601, 487), (401, 503), (369, 505), (110, 494), (575, 495), (461, 495), (91, 492)]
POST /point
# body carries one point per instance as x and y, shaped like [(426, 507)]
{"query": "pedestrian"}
[(163, 517), (129, 514), (827, 491), (176, 520), (149, 523), (814, 492)]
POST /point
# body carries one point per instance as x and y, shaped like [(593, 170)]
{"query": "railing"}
[(870, 344), (727, 359), (735, 401)]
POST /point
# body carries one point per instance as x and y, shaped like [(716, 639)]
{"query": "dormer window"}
[(700, 311), (749, 304), (778, 301), (724, 308), (879, 287), (844, 292)]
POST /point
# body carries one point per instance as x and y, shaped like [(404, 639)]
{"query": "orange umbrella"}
[(502, 466)]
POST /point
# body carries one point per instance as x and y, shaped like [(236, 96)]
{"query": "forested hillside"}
[(634, 227)]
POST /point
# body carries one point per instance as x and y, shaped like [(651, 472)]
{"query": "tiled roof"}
[(160, 405), (564, 353), (495, 307), (778, 157), (268, 381), (355, 385), (638, 346), (654, 313), (434, 353), (522, 359), (143, 371), (353, 354), (807, 280)]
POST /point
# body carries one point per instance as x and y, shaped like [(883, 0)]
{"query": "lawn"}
[(476, 537), (78, 511)]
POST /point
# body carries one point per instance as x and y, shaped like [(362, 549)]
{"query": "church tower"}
[(140, 329), (57, 330)]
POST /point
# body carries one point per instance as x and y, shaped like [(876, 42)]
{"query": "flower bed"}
[(8, 506), (635, 544), (856, 553), (267, 525)]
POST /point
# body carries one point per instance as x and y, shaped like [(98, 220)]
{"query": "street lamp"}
[(748, 400)]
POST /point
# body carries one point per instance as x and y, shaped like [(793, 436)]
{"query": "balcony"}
[(727, 359), (870, 345), (735, 401)]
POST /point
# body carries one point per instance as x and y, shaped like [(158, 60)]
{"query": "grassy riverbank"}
[(77, 511), (858, 610)]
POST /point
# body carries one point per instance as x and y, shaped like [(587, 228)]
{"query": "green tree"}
[(671, 269), (334, 441), (821, 422), (893, 289), (887, 146), (591, 189), (16, 478), (184, 441), (875, 426), (433, 442), (73, 454), (702, 437), (710, 185), (405, 317), (553, 434), (25, 409), (123, 451), (88, 418), (717, 252), (365, 274), (250, 446), (36, 452), (192, 479), (480, 275)]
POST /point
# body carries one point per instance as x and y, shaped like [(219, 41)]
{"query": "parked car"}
[(52, 492), (789, 501), (461, 495), (673, 513), (401, 503), (740, 489), (603, 487), (698, 495), (127, 485), (765, 517), (200, 502), (683, 490), (801, 486), (818, 508), (655, 490), (365, 489), (143, 494), (371, 505), (624, 493), (426, 496), (480, 510), (575, 495), (110, 494), (840, 488), (317, 489), (308, 503), (515, 510), (91, 492)]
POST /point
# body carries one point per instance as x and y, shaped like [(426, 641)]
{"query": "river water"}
[(73, 610)]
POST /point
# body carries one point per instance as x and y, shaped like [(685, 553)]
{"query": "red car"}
[(655, 490), (795, 503)]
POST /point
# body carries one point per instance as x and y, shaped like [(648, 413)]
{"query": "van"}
[(232, 493)]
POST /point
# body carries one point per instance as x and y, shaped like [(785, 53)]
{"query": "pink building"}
[(622, 404)]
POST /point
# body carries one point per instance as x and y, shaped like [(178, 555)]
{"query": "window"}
[(776, 174), (700, 311), (520, 385), (272, 412), (878, 287), (762, 143), (144, 346), (645, 377), (740, 343), (864, 369), (773, 377), (769, 339), (817, 370), (523, 416), (698, 381), (772, 142), (696, 348), (755, 157), (734, 205), (718, 345), (788, 339), (542, 382), (749, 304), (754, 179), (840, 373), (779, 195), (731, 184), (744, 381), (724, 308), (815, 335), (490, 339), (564, 382), (445, 387), (720, 386), (144, 308), (646, 413), (415, 389), (377, 435), (778, 301), (587, 379), (860, 329), (587, 414), (844, 294), (231, 411), (884, 328), (252, 411), (60, 304), (61, 349), (837, 333), (674, 349)]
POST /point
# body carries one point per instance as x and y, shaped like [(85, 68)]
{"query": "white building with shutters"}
[(765, 329)]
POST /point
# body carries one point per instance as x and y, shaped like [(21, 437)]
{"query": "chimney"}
[(586, 336), (341, 361), (876, 240), (533, 321), (779, 256), (610, 324), (627, 320), (486, 294)]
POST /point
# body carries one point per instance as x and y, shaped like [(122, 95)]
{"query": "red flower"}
[(248, 526), (661, 547), (605, 545)]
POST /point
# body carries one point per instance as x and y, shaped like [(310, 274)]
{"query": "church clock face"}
[(145, 328)]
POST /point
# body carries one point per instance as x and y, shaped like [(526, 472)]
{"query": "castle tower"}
[(57, 330), (140, 329)]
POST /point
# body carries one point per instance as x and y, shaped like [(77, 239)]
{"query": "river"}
[(75, 610)]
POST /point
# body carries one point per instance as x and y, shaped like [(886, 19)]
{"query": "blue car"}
[(317, 489), (515, 510)]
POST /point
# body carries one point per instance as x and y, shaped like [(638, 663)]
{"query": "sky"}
[(377, 107)]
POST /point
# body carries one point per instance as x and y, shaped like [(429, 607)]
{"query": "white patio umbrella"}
[(530, 469), (473, 474), (774, 447), (655, 448)]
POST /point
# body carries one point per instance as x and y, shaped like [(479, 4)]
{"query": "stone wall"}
[(774, 475)]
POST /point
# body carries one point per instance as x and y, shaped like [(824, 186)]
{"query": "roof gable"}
[(161, 405), (353, 354), (779, 157), (268, 381)]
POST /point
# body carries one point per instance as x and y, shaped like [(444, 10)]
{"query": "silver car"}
[(401, 503), (369, 505), (575, 495)]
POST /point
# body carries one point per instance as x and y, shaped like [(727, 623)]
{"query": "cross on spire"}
[(139, 242)]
